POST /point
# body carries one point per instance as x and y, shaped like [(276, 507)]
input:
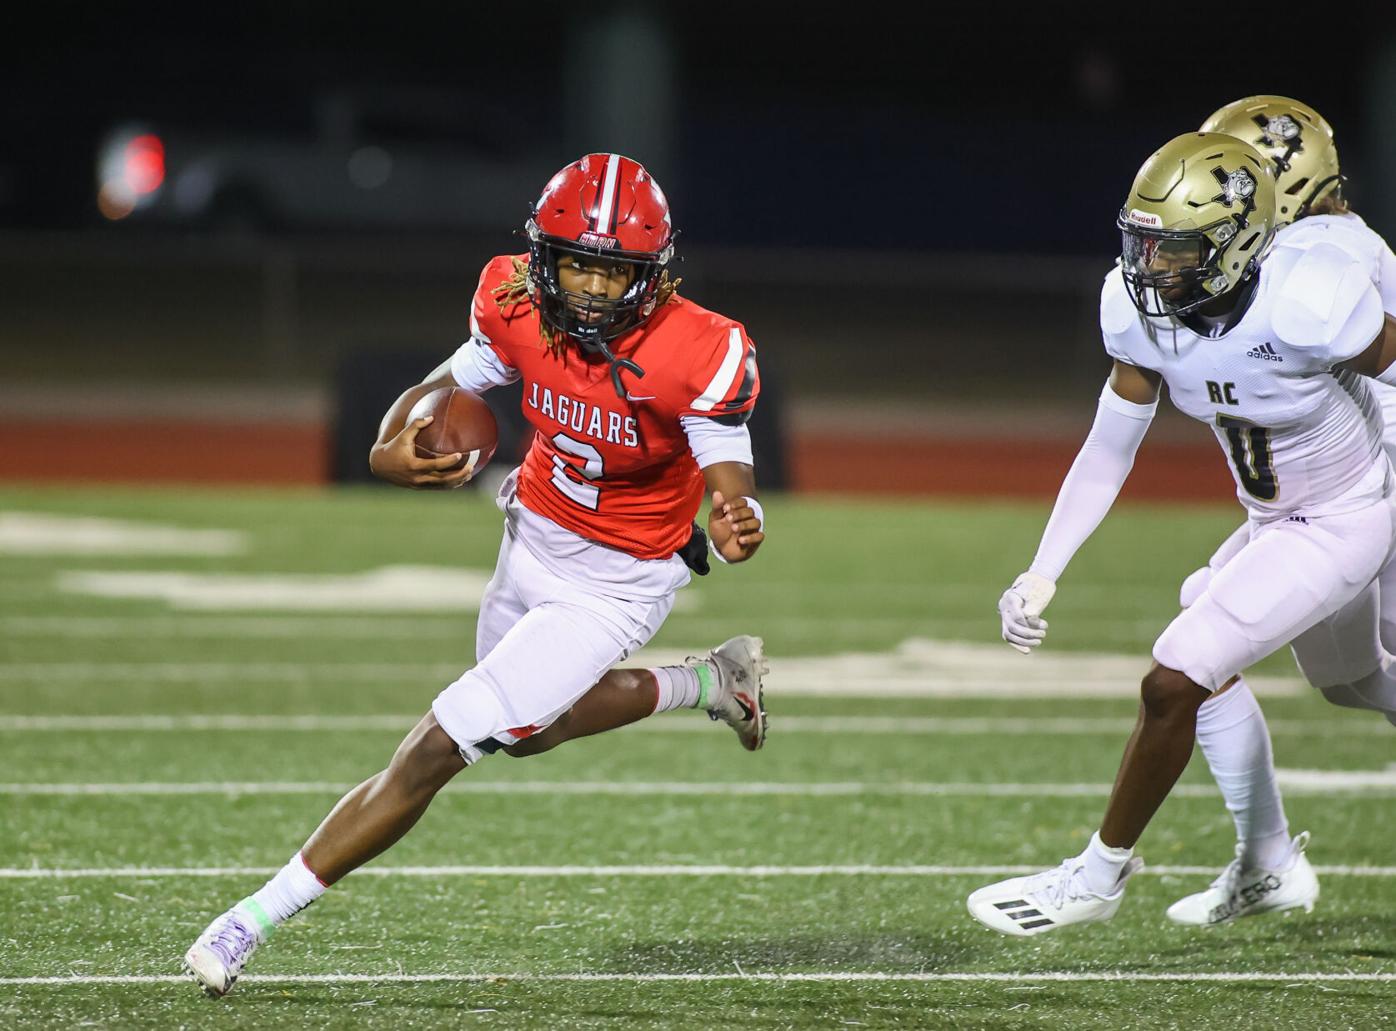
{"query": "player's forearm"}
[(731, 479), (1094, 482)]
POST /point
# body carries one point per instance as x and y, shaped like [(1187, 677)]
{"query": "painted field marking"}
[(389, 589), (1294, 782), (695, 870), (1055, 976), (679, 723), (916, 668), (426, 627), (46, 533)]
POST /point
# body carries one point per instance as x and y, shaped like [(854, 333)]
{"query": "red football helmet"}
[(603, 205)]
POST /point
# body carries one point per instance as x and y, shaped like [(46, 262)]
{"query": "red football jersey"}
[(619, 471)]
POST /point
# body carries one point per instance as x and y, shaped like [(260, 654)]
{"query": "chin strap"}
[(618, 365)]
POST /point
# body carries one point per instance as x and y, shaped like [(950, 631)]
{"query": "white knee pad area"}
[(1376, 690), (1193, 586), (470, 711)]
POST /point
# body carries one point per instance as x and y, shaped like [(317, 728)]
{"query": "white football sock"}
[(1234, 739), (285, 895), (1104, 864), (682, 687)]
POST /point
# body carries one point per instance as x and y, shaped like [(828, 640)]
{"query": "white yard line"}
[(871, 675), (290, 626), (1381, 783), (1240, 977), (915, 668), (696, 870), (43, 533), (679, 723), (624, 789), (427, 627)]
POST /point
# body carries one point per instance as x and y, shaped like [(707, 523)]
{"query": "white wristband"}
[(756, 507), (760, 525)]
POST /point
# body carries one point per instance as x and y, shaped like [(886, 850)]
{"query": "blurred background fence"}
[(223, 241)]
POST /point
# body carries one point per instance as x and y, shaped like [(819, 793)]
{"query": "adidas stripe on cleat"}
[(1041, 902)]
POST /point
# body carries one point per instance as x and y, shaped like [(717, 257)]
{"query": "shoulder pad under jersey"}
[(1117, 311), (1317, 302)]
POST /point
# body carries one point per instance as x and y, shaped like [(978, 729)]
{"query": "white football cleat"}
[(1043, 902), (216, 959), (1252, 891), (738, 697)]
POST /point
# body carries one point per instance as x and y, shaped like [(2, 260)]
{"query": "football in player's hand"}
[(463, 423)]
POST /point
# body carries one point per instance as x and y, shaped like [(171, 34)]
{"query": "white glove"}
[(1020, 609)]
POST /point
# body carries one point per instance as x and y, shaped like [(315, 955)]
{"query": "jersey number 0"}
[(1250, 454)]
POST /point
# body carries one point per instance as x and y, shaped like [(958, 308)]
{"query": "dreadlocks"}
[(514, 290)]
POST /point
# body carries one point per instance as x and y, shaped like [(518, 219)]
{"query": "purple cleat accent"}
[(216, 959)]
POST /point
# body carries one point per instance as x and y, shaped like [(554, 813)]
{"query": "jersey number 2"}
[(580, 491), (1250, 454)]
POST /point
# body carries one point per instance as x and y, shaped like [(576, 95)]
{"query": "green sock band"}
[(705, 683), (264, 922)]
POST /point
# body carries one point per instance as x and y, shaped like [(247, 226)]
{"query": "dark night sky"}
[(967, 131)]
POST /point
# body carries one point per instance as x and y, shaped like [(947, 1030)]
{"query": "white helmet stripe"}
[(606, 204)]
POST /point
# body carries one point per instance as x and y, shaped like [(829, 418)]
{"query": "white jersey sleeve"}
[(1354, 236), (477, 367), (1386, 276), (1329, 310), (1094, 480), (712, 442)]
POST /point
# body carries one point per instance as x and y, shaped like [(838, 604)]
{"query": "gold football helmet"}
[(1199, 218), (1296, 138)]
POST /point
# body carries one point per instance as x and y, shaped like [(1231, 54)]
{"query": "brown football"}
[(463, 423)]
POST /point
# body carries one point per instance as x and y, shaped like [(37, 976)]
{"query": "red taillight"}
[(144, 163)]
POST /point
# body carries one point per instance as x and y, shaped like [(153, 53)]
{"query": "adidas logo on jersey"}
[(1265, 351)]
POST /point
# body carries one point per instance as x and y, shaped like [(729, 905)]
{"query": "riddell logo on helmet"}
[(598, 241), (1144, 218)]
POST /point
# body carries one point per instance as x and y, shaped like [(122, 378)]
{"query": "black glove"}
[(695, 552)]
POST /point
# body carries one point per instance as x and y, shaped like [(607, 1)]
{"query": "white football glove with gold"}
[(1020, 610)]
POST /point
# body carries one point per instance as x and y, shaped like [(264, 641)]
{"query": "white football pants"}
[(1312, 582), (557, 614)]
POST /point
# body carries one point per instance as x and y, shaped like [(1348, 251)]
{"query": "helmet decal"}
[(1239, 184), (1278, 129), (1298, 143)]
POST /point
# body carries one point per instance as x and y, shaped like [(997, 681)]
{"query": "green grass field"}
[(159, 758)]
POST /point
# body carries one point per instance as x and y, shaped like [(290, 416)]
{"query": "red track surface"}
[(125, 451), (119, 451), (978, 467)]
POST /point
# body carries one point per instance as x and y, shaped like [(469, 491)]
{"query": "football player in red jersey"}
[(639, 399)]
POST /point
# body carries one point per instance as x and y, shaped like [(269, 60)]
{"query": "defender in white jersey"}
[(1269, 872), (1268, 344)]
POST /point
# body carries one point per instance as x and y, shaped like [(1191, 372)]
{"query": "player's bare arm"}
[(393, 456), (734, 526), (1136, 385)]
